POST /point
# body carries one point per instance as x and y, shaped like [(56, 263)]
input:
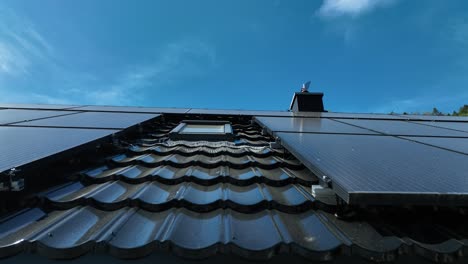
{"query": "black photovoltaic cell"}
[(435, 118), (455, 144), (22, 145), (18, 115), (348, 115), (239, 112), (383, 170), (461, 126), (311, 125), (36, 106), (395, 127), (93, 120), (134, 109), (294, 114)]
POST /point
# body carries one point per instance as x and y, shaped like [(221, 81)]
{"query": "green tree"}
[(435, 111), (463, 111)]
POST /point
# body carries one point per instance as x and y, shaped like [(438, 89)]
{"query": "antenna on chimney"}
[(305, 101), (305, 87)]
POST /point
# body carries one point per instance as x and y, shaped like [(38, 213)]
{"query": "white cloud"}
[(173, 62), (21, 45), (26, 56), (12, 61), (352, 8)]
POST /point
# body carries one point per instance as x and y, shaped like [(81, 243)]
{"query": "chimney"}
[(306, 101)]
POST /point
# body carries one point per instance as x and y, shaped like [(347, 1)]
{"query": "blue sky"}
[(365, 55)]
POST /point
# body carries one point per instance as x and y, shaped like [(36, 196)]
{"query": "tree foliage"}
[(463, 111)]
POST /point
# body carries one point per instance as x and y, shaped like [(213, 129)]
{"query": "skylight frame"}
[(178, 132)]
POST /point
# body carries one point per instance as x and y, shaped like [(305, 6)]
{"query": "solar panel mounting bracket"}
[(11, 181)]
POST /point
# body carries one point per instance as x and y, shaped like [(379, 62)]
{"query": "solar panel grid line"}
[(304, 125), (441, 126), (94, 120), (420, 131), (74, 107), (238, 112), (423, 140), (436, 118), (35, 106), (458, 145), (328, 133), (457, 126), (132, 109), (41, 118), (61, 127), (8, 116)]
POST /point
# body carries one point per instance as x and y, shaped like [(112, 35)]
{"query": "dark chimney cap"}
[(307, 102)]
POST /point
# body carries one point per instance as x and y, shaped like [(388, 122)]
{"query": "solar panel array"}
[(372, 160), (29, 134)]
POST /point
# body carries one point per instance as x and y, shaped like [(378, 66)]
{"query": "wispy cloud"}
[(20, 45), (25, 52), (173, 62), (351, 8), (341, 17)]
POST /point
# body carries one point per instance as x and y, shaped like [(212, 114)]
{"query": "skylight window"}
[(202, 130)]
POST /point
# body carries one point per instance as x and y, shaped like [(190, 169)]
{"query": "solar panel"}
[(133, 109), (367, 169), (238, 112), (310, 125), (360, 116), (395, 127), (22, 145), (36, 106), (93, 120), (436, 118), (461, 126), (17, 115), (294, 114), (455, 144)]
